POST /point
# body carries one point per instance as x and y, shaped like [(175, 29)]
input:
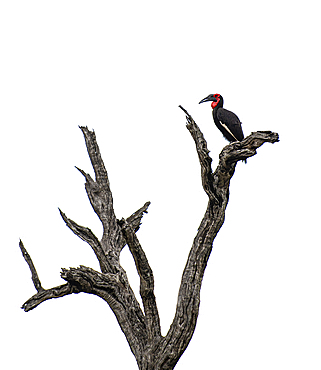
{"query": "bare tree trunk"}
[(142, 328)]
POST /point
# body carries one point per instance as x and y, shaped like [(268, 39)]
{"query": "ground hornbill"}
[(227, 122)]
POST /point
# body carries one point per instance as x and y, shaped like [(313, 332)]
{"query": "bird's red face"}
[(214, 98), (218, 99)]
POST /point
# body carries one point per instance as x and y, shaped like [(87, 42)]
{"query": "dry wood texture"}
[(142, 329)]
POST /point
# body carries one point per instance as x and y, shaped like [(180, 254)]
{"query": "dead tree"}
[(142, 328)]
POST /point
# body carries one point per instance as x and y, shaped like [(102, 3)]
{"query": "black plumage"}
[(227, 122)]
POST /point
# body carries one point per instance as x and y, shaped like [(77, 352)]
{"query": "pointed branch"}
[(88, 236), (146, 281), (216, 185), (95, 157), (34, 274), (134, 221), (203, 156), (100, 195), (43, 294)]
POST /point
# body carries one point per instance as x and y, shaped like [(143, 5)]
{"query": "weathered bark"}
[(151, 349)]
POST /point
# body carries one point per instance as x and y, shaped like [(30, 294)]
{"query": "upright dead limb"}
[(151, 349)]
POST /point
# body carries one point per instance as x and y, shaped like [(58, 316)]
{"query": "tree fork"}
[(142, 328)]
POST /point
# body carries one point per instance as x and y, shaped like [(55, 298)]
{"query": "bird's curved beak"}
[(208, 98)]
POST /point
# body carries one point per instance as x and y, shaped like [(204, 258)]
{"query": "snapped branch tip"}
[(184, 110), (145, 207), (81, 171)]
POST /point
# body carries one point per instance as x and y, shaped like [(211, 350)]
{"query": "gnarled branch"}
[(34, 274), (146, 282), (216, 186), (45, 294), (88, 236), (100, 195)]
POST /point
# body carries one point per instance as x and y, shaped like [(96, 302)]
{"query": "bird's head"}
[(216, 99)]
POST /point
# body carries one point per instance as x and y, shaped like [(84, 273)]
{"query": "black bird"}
[(227, 122)]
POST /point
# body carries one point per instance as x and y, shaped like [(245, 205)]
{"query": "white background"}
[(122, 68)]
